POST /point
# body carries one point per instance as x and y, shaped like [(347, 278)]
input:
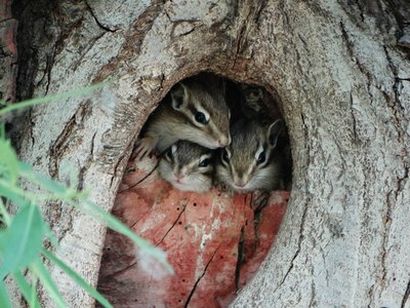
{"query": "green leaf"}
[(147, 248), (2, 131), (51, 236), (13, 193), (22, 241), (58, 190), (33, 299), (44, 181), (50, 98), (29, 291), (44, 276), (4, 296), (8, 163), (77, 278)]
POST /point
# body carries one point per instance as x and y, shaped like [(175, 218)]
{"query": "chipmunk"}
[(194, 113), (252, 162), (187, 166)]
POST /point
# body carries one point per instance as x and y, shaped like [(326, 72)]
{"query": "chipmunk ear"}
[(274, 131), (179, 96)]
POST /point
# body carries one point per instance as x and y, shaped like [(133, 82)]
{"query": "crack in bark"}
[(355, 136), (302, 224), (251, 19), (56, 151), (396, 105), (360, 7), (392, 197), (173, 225), (119, 162), (301, 237), (199, 278), (238, 43), (258, 11), (240, 258), (401, 180), (47, 71), (352, 54), (313, 292), (406, 296), (90, 45), (119, 272), (86, 165), (49, 66), (105, 28), (59, 224), (30, 127), (134, 39)]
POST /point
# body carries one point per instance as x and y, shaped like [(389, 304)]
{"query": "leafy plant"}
[(22, 235)]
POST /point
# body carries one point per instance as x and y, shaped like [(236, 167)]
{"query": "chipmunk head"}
[(187, 166), (246, 164), (206, 111)]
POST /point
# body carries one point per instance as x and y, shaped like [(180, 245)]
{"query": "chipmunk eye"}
[(204, 163), (200, 117), (225, 156), (261, 158)]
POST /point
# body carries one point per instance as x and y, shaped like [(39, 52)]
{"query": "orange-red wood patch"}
[(213, 241)]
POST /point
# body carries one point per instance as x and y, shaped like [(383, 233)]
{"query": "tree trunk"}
[(344, 88)]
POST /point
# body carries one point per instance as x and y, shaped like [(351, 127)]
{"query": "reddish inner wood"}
[(213, 241)]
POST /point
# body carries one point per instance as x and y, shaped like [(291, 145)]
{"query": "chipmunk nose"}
[(240, 182), (224, 141), (178, 176)]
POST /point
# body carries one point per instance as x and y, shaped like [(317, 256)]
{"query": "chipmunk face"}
[(187, 166), (247, 164), (207, 113)]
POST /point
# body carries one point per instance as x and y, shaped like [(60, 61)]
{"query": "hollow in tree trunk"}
[(341, 73)]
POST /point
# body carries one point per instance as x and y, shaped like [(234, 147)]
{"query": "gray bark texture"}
[(343, 83), (8, 52)]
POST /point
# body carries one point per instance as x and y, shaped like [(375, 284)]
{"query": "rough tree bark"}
[(344, 87)]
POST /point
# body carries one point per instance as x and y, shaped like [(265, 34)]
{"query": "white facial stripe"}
[(191, 165), (229, 153), (206, 168), (234, 174), (174, 149), (205, 156), (259, 151), (175, 162), (216, 132), (214, 129)]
